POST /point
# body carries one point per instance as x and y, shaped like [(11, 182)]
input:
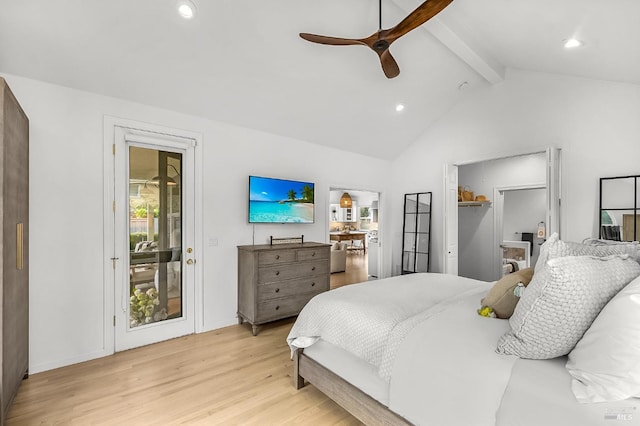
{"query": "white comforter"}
[(447, 371), (423, 332), (372, 319)]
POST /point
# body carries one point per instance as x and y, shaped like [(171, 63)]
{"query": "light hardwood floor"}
[(223, 377), (356, 271)]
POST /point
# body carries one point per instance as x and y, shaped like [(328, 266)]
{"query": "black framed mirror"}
[(619, 211), (416, 231)]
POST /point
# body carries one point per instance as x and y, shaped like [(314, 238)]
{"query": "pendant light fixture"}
[(345, 201)]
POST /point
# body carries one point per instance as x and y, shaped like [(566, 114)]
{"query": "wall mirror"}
[(619, 208), (416, 231)]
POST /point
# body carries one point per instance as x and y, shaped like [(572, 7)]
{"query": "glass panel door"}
[(154, 258), (155, 230)]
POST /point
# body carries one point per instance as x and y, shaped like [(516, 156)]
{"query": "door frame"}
[(450, 212), (109, 272)]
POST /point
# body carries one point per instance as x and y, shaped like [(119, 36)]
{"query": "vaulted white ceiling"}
[(242, 62)]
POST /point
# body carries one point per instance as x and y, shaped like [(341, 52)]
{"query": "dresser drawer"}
[(282, 308), (276, 257), (316, 284), (311, 254), (269, 274)]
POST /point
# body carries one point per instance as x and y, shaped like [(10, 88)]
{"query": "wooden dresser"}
[(276, 281)]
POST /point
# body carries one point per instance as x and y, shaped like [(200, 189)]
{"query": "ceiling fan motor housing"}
[(380, 45)]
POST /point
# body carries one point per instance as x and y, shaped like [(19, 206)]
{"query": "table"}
[(350, 236)]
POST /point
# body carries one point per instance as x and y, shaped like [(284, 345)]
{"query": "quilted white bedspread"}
[(372, 319)]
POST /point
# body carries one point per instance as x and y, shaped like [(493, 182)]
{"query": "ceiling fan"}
[(380, 41)]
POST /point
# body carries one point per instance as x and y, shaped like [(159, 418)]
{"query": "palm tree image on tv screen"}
[(280, 201)]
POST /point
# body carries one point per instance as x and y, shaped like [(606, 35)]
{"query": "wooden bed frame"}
[(359, 404)]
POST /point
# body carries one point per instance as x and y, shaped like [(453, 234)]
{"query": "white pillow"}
[(554, 248), (605, 363), (561, 302)]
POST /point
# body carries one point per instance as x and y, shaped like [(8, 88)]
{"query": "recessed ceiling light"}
[(572, 42), (399, 107), (186, 9)]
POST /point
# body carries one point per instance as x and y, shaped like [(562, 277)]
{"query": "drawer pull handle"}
[(313, 284), (313, 254), (277, 273), (313, 269), (277, 307), (277, 256), (277, 290)]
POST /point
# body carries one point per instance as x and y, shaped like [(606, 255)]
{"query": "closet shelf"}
[(474, 203)]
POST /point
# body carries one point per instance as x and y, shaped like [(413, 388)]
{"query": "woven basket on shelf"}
[(467, 194)]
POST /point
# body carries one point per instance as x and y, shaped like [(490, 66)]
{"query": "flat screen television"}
[(280, 201)]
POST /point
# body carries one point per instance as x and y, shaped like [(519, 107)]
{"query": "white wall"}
[(594, 122), (66, 204), (476, 249)]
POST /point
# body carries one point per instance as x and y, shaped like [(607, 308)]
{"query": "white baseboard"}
[(39, 368)]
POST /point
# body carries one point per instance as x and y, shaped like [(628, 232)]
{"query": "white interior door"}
[(153, 237), (451, 219), (498, 230), (553, 191)]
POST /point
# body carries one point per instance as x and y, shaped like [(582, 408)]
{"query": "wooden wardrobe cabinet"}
[(14, 280)]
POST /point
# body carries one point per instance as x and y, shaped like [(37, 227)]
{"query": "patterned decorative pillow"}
[(631, 247), (597, 242), (562, 301), (554, 248)]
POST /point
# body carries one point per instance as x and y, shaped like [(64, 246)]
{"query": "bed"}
[(413, 350)]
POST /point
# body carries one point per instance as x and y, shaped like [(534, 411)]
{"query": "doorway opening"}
[(520, 228), (354, 231), (471, 247)]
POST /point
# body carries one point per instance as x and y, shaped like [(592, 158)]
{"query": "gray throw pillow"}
[(554, 248), (630, 247), (562, 301)]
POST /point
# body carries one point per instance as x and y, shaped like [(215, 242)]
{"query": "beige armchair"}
[(338, 257)]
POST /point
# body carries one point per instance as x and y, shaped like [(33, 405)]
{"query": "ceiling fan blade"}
[(419, 16), (333, 41), (389, 64)]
